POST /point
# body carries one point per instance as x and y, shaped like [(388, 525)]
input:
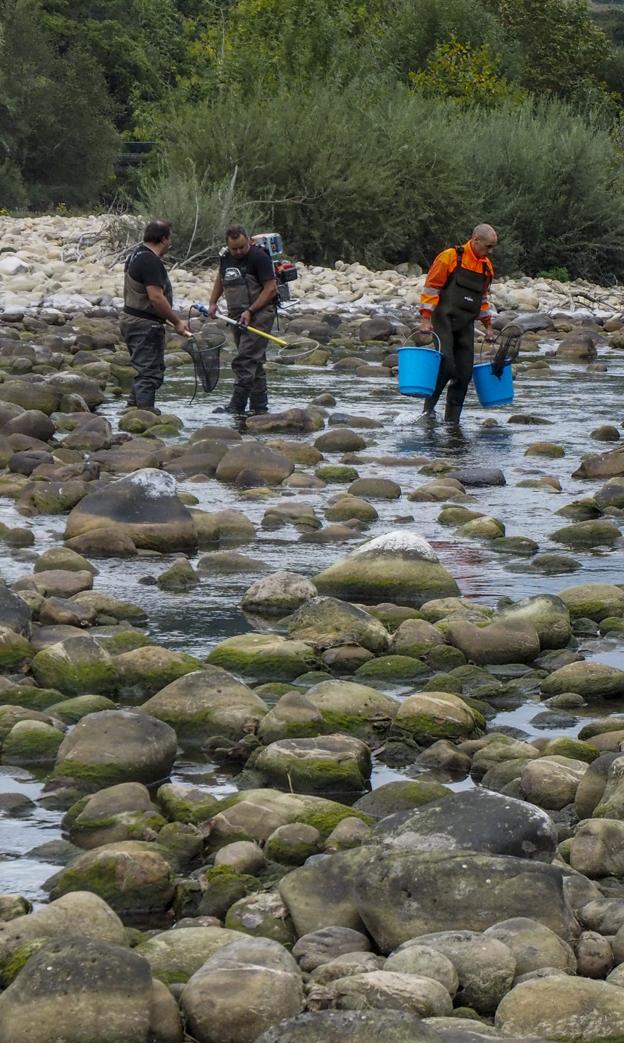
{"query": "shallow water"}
[(573, 399)]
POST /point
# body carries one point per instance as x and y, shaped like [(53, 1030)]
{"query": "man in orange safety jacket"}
[(455, 295)]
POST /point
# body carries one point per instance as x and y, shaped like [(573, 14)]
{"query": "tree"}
[(136, 45), (468, 74), (54, 113), (561, 45)]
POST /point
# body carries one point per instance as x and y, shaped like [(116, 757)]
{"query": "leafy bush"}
[(380, 174)]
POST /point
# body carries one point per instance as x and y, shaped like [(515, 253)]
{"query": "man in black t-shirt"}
[(247, 280), (148, 301)]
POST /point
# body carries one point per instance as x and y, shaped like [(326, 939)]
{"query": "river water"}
[(574, 399)]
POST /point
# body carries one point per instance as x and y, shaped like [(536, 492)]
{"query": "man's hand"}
[(425, 326), (182, 327), (245, 318), (490, 334), (212, 311)]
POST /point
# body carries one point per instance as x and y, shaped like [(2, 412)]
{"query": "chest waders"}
[(453, 320), (241, 289), (144, 334)]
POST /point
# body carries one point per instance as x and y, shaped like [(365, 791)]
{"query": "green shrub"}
[(378, 173)]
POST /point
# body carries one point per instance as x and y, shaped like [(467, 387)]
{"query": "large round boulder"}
[(404, 894), (79, 989), (328, 764), (133, 876), (513, 641), (206, 703), (116, 746), (353, 708), (399, 566), (577, 1010), (143, 506), (325, 622), (475, 820), (269, 466), (245, 988), (76, 666), (79, 912)]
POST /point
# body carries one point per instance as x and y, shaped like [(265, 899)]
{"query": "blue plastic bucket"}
[(493, 391), (418, 370)]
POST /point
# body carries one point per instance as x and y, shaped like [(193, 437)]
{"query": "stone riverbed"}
[(310, 728)]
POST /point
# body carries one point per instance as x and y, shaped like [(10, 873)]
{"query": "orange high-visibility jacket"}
[(438, 276)]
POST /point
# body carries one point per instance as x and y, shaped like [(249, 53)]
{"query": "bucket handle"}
[(437, 346)]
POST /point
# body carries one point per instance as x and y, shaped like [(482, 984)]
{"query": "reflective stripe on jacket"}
[(440, 271)]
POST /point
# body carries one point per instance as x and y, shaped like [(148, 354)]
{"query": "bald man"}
[(455, 295)]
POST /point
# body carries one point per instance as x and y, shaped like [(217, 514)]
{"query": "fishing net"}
[(206, 360), (506, 347)]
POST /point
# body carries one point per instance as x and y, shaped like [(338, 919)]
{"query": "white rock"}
[(10, 264), (399, 541)]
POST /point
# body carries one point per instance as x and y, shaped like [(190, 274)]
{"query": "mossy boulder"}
[(144, 671), (188, 804), (404, 795), (254, 814), (593, 601), (576, 1009), (292, 844), (31, 744), (221, 887), (278, 594), (222, 528), (262, 915), (179, 577), (116, 746), (483, 528), (551, 781), (174, 956), (345, 507), (206, 703), (393, 668), (598, 533), (75, 666), (132, 876), (325, 622), (70, 711), (15, 649), (292, 717), (266, 657), (398, 566), (353, 708), (327, 764), (401, 894), (122, 812), (416, 638), (426, 716), (548, 614), (78, 913), (65, 559), (514, 641), (590, 680)]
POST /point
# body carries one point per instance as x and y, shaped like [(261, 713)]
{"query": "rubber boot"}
[(237, 404), (259, 399), (452, 413)]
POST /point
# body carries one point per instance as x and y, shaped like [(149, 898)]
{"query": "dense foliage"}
[(375, 130)]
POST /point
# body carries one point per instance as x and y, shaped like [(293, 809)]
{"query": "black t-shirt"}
[(146, 268), (256, 262)]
